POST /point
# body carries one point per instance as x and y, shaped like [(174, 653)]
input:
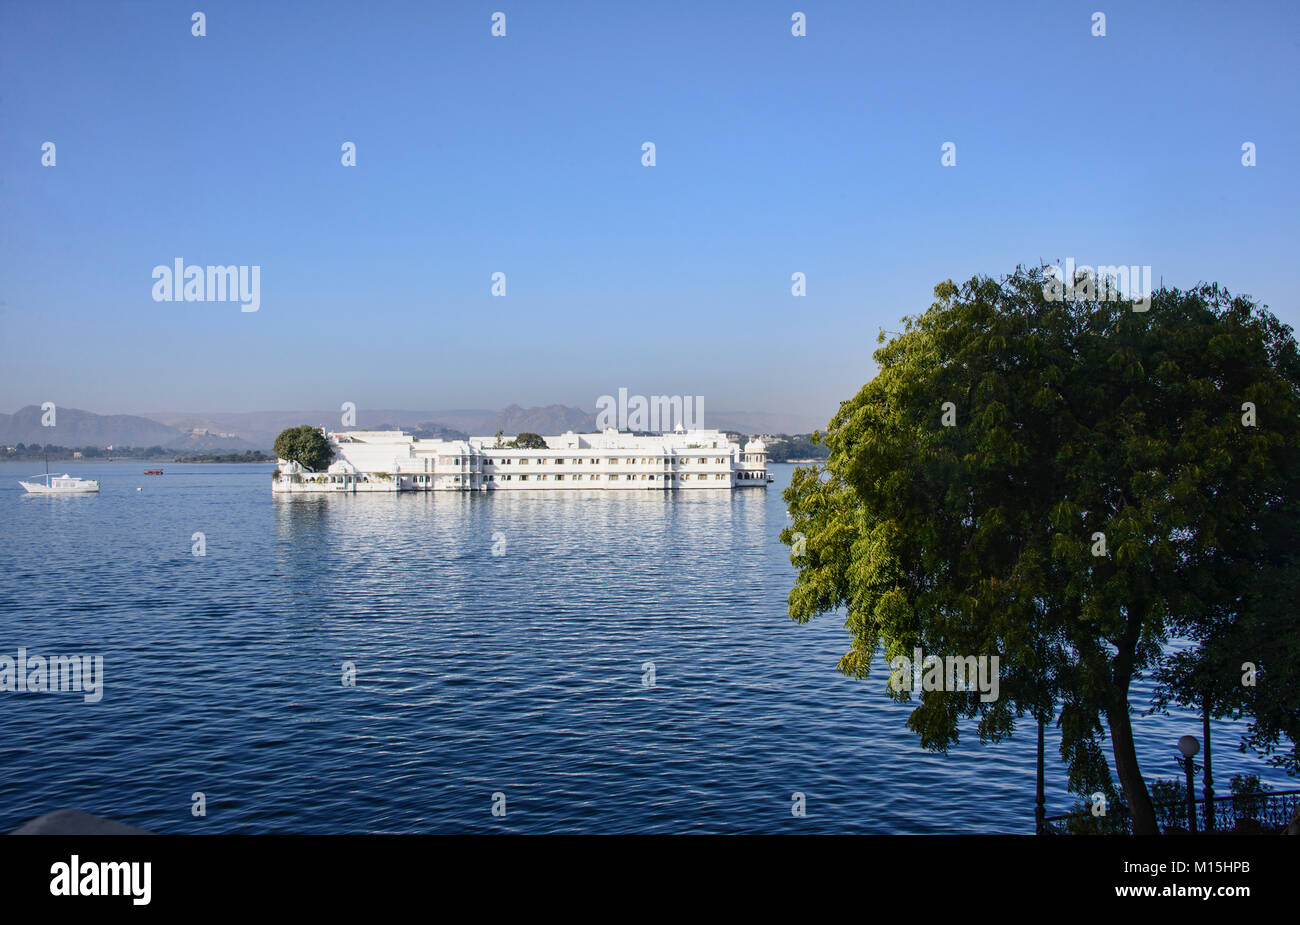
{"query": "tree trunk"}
[(1141, 811), (1126, 768)]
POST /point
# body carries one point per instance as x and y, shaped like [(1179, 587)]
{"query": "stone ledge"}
[(75, 822)]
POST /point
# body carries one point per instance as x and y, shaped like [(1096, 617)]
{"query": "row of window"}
[(632, 460), (577, 477)]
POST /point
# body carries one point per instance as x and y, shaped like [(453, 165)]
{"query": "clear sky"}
[(522, 154)]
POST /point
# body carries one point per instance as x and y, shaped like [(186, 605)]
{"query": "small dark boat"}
[(153, 472)]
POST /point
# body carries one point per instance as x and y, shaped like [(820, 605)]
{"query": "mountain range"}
[(256, 430), (73, 427)]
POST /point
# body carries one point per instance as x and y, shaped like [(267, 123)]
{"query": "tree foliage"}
[(306, 446), (529, 441), (799, 446), (1096, 492)]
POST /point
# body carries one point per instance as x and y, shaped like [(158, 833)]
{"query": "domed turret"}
[(753, 463)]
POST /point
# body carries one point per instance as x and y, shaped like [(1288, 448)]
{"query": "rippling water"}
[(476, 674)]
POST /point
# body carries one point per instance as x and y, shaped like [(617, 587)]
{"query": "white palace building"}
[(391, 461)]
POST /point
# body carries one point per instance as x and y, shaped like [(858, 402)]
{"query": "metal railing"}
[(1269, 811)]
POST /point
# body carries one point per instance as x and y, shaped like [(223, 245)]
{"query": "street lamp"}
[(1189, 746)]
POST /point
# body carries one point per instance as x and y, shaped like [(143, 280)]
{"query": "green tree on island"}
[(1065, 485), (306, 446), (528, 441)]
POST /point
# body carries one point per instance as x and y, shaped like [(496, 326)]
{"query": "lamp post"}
[(1208, 776), (1189, 746), (1040, 808)]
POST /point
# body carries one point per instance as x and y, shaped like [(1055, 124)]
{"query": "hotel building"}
[(391, 461)]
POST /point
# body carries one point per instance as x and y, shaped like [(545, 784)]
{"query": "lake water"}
[(521, 674)]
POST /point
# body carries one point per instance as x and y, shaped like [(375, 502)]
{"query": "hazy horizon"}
[(477, 409)]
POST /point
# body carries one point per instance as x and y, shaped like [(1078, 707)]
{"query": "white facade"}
[(389, 460)]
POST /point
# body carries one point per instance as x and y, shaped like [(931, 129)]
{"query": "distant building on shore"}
[(391, 461)]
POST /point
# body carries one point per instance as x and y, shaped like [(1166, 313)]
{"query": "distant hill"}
[(213, 443), (260, 428), (467, 421), (74, 427), (553, 419)]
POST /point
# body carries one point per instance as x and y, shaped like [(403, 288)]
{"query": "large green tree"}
[(306, 446), (1041, 480), (529, 441)]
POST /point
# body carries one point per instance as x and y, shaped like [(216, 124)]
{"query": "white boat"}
[(59, 485)]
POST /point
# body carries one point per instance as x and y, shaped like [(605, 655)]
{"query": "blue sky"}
[(522, 154)]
